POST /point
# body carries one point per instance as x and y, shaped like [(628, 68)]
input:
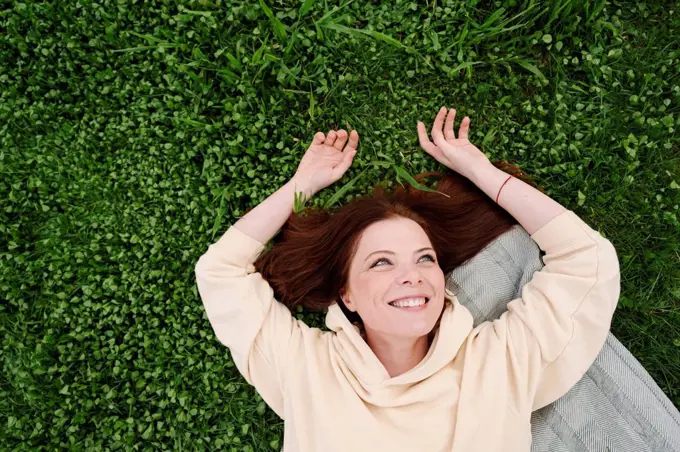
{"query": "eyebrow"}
[(392, 252)]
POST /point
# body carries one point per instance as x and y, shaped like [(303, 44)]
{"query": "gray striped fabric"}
[(616, 406)]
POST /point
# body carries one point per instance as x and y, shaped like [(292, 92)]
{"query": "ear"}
[(350, 306), (347, 301)]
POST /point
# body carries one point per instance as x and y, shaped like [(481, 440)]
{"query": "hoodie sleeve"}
[(554, 332), (244, 314)]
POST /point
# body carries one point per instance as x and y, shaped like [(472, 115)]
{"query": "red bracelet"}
[(499, 191)]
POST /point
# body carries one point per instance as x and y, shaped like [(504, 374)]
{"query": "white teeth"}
[(409, 302)]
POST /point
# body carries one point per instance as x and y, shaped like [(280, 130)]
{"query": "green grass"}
[(133, 134)]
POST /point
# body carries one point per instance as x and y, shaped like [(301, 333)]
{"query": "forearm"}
[(531, 208), (265, 220)]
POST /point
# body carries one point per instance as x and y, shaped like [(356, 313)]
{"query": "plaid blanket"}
[(616, 406)]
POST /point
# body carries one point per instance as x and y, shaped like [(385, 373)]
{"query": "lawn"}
[(132, 134)]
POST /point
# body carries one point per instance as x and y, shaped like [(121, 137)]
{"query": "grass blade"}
[(343, 29), (417, 185), (148, 37), (492, 18), (388, 39), (299, 201), (333, 11), (344, 189), (220, 212), (233, 61), (257, 56), (462, 66), (372, 33), (136, 49), (312, 106), (488, 137), (598, 9), (556, 12), (279, 28), (197, 13), (530, 67), (304, 9)]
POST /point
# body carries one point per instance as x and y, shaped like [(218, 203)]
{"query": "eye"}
[(379, 260), (432, 259)]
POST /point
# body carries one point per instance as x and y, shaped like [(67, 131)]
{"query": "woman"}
[(413, 375)]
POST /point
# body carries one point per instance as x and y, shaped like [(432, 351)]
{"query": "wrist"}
[(302, 185), (482, 173), (490, 180)]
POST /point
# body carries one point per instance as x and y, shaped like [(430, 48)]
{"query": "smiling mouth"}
[(410, 303)]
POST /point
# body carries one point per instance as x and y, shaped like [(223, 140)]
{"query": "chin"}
[(418, 329), (420, 332)]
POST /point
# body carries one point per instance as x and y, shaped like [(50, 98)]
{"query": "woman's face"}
[(395, 259)]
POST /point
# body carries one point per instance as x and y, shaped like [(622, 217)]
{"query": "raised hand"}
[(326, 160), (457, 154)]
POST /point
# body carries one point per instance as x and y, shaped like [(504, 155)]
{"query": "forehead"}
[(395, 234)]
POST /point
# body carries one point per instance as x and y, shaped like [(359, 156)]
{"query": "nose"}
[(411, 276)]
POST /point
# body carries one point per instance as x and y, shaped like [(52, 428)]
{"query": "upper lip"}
[(420, 295)]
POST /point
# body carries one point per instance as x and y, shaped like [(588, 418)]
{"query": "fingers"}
[(319, 138), (464, 127), (427, 145), (337, 139), (330, 138), (348, 156), (353, 141), (437, 135), (340, 140), (424, 140), (448, 125)]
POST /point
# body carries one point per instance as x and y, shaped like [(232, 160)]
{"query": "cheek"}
[(376, 315), (371, 294), (438, 280), (371, 287)]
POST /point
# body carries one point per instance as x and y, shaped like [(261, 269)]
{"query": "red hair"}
[(308, 262)]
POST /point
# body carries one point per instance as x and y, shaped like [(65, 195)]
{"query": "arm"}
[(264, 221), (531, 208), (553, 333), (240, 304), (324, 163)]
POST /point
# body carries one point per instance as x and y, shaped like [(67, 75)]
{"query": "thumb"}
[(344, 165)]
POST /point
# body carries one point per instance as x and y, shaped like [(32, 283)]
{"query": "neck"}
[(398, 355)]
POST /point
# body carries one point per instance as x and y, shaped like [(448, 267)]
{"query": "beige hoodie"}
[(474, 390)]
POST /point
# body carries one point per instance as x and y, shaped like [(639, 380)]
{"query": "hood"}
[(368, 375)]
